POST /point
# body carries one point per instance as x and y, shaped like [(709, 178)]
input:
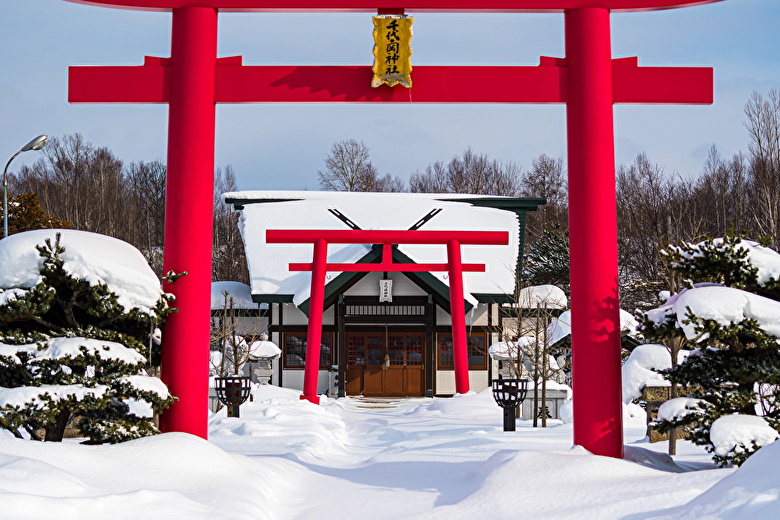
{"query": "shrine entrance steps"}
[(381, 403)]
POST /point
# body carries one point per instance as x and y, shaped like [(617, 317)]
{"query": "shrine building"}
[(384, 334)]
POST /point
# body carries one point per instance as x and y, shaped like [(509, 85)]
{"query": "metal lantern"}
[(509, 394), (233, 391)]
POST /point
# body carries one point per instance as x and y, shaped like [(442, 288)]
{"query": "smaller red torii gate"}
[(319, 266)]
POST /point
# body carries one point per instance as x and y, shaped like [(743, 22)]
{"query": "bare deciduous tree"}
[(348, 168), (147, 191), (527, 345), (229, 258), (763, 125), (650, 207), (232, 340), (472, 173), (546, 178), (79, 183)]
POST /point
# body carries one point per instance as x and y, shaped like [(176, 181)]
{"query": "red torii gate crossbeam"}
[(319, 266), (588, 80)]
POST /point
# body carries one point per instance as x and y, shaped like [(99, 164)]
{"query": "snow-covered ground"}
[(356, 459)]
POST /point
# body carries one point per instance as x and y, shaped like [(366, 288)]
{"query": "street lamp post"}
[(35, 144)]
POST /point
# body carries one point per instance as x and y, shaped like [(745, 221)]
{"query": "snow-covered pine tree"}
[(546, 261), (730, 311), (76, 326)]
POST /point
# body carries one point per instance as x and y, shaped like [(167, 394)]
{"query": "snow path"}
[(287, 459), (445, 458)]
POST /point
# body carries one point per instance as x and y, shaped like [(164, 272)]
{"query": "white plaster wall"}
[(478, 315), (526, 327), (254, 326), (294, 379), (445, 381), (293, 315), (478, 380), (442, 318)]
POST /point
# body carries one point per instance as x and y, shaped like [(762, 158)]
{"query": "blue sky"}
[(283, 146)]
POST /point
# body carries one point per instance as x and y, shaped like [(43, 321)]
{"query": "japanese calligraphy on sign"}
[(392, 50)]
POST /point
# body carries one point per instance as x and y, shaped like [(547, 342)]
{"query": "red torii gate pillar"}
[(595, 317), (189, 208), (587, 80)]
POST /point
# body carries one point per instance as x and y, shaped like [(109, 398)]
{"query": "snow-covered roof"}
[(240, 292), (561, 327), (268, 263), (550, 295), (97, 259), (266, 349)]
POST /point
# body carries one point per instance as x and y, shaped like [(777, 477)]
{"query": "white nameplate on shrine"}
[(385, 291)]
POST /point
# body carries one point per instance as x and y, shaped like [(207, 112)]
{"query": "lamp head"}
[(35, 144)]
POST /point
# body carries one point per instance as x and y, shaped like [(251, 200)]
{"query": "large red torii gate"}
[(588, 80)]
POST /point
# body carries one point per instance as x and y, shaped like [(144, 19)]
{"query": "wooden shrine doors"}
[(385, 364), (373, 376), (405, 373)]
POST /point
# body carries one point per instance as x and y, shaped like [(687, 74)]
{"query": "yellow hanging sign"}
[(392, 50)]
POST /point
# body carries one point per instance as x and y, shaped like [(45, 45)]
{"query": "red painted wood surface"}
[(359, 236), (545, 83), (504, 6), (598, 405), (311, 369), (188, 219), (387, 267), (460, 355)]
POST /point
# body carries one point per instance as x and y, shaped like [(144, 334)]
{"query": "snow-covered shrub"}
[(642, 369), (75, 336), (730, 261), (731, 313), (737, 437)]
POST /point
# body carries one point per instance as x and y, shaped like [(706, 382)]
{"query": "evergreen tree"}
[(69, 349), (25, 213), (732, 359), (546, 261)]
